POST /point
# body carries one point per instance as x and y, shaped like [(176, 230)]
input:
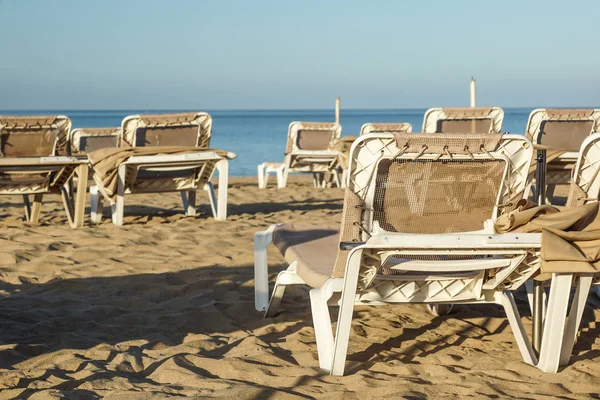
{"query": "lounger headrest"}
[(452, 143), (168, 119), (467, 112), (16, 122), (566, 114)]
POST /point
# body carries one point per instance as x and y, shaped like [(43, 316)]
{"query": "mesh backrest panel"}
[(87, 144), (309, 139), (464, 126), (186, 135), (568, 135), (426, 196), (30, 141)]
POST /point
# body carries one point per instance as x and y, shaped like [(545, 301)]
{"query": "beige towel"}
[(570, 235), (106, 162)]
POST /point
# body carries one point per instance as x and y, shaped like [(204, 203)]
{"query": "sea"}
[(260, 135)]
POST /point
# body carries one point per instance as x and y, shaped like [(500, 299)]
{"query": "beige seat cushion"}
[(314, 248)]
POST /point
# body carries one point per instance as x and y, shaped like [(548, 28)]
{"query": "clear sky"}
[(232, 54)]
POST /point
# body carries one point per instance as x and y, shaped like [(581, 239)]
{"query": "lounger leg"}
[(322, 325), (554, 327), (34, 217), (276, 296), (315, 180), (82, 180), (514, 319), (119, 206), (574, 318), (27, 206), (284, 279), (280, 178), (262, 177), (261, 268), (223, 168), (189, 202), (336, 177), (342, 335), (68, 203), (95, 204)]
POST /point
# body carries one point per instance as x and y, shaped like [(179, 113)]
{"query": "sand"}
[(163, 307)]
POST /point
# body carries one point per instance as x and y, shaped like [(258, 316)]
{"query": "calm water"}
[(257, 136)]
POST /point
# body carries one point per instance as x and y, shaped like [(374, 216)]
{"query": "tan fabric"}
[(569, 113), (30, 136), (567, 135), (313, 248), (309, 139), (570, 236), (87, 140), (466, 112), (351, 229), (184, 129), (167, 119), (453, 143), (166, 136), (464, 125), (424, 196), (106, 162)]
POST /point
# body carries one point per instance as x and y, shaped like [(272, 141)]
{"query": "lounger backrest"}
[(86, 140), (562, 128), (392, 127), (312, 136), (34, 136), (585, 185), (431, 183), (188, 129), (463, 120)]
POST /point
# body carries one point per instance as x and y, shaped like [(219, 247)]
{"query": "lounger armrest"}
[(350, 245), (316, 153), (459, 241), (173, 158), (27, 161), (230, 155)]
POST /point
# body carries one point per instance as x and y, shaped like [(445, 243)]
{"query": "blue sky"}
[(232, 54)]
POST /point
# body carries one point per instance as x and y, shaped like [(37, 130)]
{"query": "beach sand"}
[(165, 307)]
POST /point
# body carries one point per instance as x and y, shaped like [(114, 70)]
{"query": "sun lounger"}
[(160, 153), (309, 148), (562, 131), (467, 119), (36, 161), (417, 227)]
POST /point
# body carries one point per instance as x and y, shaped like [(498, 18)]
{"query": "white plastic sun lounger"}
[(388, 190), (35, 161), (160, 173), (464, 119), (561, 129), (309, 148)]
